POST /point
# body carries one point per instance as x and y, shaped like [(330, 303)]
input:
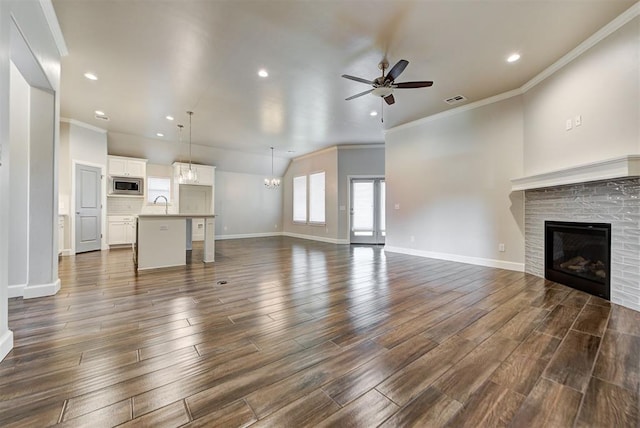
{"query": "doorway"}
[(367, 216), (88, 208)]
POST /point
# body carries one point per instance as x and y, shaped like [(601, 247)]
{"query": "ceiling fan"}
[(383, 86)]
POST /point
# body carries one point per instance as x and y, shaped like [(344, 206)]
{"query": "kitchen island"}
[(162, 240)]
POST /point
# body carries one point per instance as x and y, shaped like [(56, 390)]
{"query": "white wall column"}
[(19, 177), (43, 197)]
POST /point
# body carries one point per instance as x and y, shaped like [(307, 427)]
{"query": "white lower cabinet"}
[(121, 230)]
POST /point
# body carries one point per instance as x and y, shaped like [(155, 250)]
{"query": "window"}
[(158, 186), (316, 198), (300, 199)]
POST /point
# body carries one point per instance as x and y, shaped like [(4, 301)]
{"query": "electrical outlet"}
[(501, 248), (396, 206), (413, 238)]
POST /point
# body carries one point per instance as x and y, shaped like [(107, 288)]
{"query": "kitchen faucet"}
[(166, 203)]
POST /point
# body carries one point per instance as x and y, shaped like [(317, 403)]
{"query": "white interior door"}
[(88, 208), (367, 211)]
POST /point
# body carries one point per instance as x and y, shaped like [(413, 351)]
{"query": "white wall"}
[(603, 86), (39, 62), (450, 178), (323, 160), (245, 207), (355, 161)]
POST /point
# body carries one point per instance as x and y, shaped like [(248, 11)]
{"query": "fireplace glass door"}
[(578, 255)]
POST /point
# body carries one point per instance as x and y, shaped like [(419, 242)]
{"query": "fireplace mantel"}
[(621, 167)]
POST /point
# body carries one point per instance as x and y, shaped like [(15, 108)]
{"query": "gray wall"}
[(245, 207), (448, 188), (355, 161), (603, 86)]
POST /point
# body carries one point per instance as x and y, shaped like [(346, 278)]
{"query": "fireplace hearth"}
[(578, 255)]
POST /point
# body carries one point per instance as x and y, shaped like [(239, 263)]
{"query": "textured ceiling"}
[(158, 58)]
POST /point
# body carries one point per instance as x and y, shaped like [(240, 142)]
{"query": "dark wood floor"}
[(285, 332)]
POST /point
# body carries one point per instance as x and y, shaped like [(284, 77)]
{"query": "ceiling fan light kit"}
[(384, 85)]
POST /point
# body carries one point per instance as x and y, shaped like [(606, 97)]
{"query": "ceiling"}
[(159, 58)]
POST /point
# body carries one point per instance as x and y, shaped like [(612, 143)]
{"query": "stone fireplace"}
[(586, 195)]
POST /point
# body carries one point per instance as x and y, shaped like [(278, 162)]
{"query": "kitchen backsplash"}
[(124, 206)]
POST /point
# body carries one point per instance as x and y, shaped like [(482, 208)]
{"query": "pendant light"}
[(273, 182), (191, 175)]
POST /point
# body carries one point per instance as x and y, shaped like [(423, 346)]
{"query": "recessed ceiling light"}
[(373, 113), (160, 134), (90, 76), (263, 73), (513, 57), (169, 117), (99, 112)]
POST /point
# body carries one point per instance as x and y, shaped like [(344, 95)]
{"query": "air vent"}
[(456, 100), (102, 117)]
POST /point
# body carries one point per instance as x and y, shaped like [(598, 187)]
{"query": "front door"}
[(367, 211), (88, 208)]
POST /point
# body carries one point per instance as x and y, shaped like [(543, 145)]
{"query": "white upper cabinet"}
[(127, 167)]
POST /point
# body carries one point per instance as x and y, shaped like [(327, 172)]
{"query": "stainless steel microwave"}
[(127, 186)]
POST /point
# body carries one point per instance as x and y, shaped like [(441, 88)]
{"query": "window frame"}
[(148, 200)]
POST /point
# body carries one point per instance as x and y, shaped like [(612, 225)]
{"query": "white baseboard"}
[(317, 238), (6, 344), (247, 235), (41, 290), (499, 264), (67, 252), (16, 290)]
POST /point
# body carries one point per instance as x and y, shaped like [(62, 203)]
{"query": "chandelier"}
[(273, 182), (191, 175)]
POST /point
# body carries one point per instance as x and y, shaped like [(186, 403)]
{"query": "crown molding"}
[(597, 37), (361, 146), (457, 110), (83, 125), (54, 26), (316, 153)]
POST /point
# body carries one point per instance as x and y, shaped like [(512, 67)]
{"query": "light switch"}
[(568, 125), (578, 120), (164, 227)]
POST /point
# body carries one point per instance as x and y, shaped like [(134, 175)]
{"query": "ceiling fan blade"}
[(389, 99), (396, 70), (359, 95), (358, 79), (406, 85)]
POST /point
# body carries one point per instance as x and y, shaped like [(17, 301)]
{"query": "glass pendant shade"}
[(190, 175)]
